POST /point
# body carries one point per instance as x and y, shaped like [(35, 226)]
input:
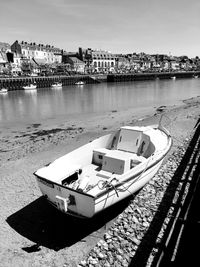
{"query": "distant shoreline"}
[(17, 83)]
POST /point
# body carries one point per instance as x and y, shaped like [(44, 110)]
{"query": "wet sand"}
[(35, 234)]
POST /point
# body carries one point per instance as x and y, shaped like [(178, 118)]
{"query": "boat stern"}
[(67, 200)]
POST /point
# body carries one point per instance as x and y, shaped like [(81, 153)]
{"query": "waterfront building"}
[(98, 61), (122, 64), (76, 64), (103, 61), (135, 62), (174, 64), (3, 61), (16, 64), (5, 56), (41, 54)]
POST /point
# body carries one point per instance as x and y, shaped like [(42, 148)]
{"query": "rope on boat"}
[(105, 184), (109, 184)]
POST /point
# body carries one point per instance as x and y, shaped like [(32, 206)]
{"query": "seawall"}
[(42, 82), (151, 76)]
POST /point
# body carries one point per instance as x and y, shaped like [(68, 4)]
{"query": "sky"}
[(169, 27)]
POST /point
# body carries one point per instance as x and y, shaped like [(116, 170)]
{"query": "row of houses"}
[(31, 57), (21, 55)]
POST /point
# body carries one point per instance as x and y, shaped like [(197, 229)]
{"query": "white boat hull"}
[(58, 85), (114, 187), (86, 205), (79, 83), (31, 87), (3, 91)]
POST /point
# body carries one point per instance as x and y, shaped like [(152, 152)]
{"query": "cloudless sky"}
[(120, 26)]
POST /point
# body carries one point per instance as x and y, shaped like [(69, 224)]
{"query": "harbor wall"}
[(17, 83), (150, 76), (42, 82)]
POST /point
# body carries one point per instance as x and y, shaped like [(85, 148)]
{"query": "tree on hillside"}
[(26, 66)]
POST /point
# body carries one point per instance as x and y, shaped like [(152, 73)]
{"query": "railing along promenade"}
[(177, 217), (17, 83)]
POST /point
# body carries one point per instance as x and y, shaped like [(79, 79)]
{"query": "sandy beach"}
[(35, 234)]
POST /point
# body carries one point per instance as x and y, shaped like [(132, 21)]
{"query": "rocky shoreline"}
[(121, 242)]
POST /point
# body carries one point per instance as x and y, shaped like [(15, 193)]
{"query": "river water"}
[(21, 106)]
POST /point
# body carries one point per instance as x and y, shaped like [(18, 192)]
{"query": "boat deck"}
[(115, 164)]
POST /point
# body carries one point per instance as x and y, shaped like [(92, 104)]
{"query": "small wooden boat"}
[(80, 83), (101, 173), (173, 77), (56, 85), (30, 86), (3, 91)]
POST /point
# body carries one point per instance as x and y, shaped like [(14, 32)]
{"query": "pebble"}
[(121, 241), (101, 255)]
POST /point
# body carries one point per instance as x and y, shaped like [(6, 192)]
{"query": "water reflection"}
[(43, 103)]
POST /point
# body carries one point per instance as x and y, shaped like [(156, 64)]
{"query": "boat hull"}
[(66, 199), (56, 86), (83, 205), (3, 91), (116, 187), (30, 87), (79, 83)]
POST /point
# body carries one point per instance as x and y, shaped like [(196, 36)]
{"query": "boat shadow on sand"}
[(42, 224)]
